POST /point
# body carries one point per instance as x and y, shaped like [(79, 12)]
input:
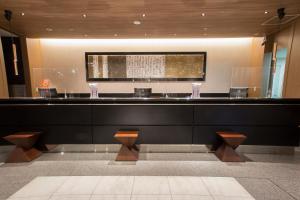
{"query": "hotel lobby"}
[(150, 100)]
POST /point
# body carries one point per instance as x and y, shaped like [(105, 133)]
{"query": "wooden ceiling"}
[(163, 18)]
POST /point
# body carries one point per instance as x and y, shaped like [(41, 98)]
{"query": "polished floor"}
[(263, 176), (132, 188)]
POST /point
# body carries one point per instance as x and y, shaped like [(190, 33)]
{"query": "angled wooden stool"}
[(129, 150), (24, 150), (231, 140)]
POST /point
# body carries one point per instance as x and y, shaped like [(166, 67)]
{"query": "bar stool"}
[(231, 140), (25, 150), (129, 150)]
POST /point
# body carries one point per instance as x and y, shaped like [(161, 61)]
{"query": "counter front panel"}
[(180, 121)]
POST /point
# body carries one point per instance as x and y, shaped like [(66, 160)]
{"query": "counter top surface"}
[(156, 100)]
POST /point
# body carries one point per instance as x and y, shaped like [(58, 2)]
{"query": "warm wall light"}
[(15, 59), (148, 42)]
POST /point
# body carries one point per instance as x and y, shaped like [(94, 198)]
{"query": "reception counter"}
[(265, 121)]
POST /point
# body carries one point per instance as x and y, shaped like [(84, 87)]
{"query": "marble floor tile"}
[(90, 168), (110, 197), (78, 185), (191, 197), (30, 198), (151, 185), (10, 184), (62, 156), (225, 186), (273, 158), (232, 198), (151, 197), (266, 177), (181, 185), (262, 189), (111, 185), (70, 197), (40, 187), (178, 156), (290, 185)]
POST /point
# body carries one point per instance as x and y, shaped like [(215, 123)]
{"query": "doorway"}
[(278, 76), (272, 85)]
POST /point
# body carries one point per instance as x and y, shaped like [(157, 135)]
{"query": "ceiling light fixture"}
[(203, 14), (115, 35), (22, 14), (84, 15), (144, 15), (136, 22), (266, 12), (49, 29)]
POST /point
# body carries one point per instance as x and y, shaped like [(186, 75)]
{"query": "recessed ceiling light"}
[(84, 15), (144, 15), (115, 35), (203, 14), (49, 29), (266, 12), (136, 22), (22, 14)]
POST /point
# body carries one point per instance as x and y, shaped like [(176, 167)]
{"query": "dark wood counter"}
[(160, 120), (154, 100)]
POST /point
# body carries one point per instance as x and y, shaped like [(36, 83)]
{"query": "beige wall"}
[(3, 81), (63, 61)]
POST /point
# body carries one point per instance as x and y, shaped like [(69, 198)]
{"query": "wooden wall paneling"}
[(26, 67), (292, 83), (106, 18)]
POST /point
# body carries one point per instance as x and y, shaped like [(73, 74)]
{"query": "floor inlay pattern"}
[(132, 188), (264, 176)]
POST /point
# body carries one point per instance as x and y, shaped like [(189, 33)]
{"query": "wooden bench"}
[(25, 149), (231, 140), (129, 150)]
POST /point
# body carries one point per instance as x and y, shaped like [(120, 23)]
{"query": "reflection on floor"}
[(264, 176), (132, 187)]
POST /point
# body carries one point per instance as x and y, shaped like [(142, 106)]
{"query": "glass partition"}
[(246, 79), (62, 79)]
